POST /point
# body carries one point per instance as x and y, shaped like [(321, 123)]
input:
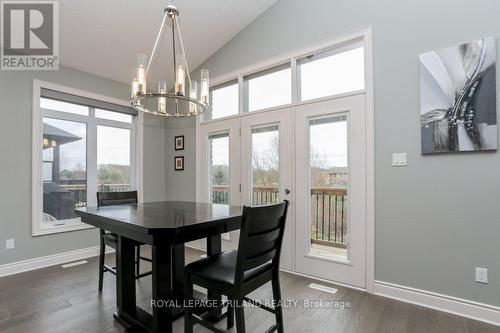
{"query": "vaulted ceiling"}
[(103, 37)]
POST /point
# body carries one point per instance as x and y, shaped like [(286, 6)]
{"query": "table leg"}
[(162, 288), (125, 279), (214, 246), (178, 266)]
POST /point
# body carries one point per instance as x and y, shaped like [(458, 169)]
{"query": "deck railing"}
[(80, 191), (328, 210), (329, 216)]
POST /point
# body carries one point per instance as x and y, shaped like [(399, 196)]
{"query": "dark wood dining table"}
[(166, 226)]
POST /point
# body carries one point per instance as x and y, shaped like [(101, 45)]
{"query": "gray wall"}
[(439, 217), (181, 185), (15, 164)]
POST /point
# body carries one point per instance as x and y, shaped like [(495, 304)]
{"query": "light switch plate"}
[(9, 244), (399, 159)]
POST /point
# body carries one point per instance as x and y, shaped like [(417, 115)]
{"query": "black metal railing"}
[(328, 210), (329, 216)]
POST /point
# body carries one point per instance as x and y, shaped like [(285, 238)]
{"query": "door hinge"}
[(240, 188), (240, 131)]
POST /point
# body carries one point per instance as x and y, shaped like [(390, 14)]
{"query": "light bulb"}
[(180, 75), (134, 88), (193, 94), (205, 86), (141, 72), (162, 101)]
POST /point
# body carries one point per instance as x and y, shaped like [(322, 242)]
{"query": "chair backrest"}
[(261, 236), (116, 198)]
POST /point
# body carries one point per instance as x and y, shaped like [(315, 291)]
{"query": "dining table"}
[(166, 226)]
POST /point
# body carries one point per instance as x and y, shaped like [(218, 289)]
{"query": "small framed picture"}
[(179, 163), (179, 142)]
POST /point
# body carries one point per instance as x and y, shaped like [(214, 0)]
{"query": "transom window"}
[(224, 101), (325, 73), (331, 72), (83, 149), (269, 88)]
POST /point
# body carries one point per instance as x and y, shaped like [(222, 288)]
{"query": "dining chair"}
[(111, 239), (238, 273)]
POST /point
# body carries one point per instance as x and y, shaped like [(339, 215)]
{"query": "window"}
[(51, 104), (269, 88), (113, 159), (265, 165), (110, 115), (332, 72), (84, 149), (65, 181), (329, 183), (224, 101), (219, 168)]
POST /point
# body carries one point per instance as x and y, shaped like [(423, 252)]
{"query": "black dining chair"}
[(238, 273), (111, 239)]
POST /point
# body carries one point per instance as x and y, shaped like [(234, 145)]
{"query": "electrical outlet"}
[(399, 159), (481, 275), (9, 244)]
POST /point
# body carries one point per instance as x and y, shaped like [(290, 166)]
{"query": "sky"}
[(113, 144), (328, 141)]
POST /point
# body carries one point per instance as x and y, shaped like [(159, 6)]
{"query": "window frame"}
[(136, 139)]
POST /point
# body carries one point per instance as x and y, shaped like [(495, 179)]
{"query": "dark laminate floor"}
[(66, 300)]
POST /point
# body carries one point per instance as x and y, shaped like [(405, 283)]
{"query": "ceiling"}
[(103, 37)]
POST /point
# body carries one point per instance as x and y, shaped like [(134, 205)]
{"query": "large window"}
[(82, 149)]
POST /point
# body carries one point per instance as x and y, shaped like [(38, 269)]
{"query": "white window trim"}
[(365, 36), (136, 157)]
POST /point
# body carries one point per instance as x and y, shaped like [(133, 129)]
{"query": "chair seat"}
[(110, 237), (221, 268)]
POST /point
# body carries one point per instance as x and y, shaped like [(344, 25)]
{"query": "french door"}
[(266, 166), (330, 190), (218, 179), (313, 155)]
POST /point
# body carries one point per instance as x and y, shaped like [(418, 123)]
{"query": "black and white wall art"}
[(458, 98)]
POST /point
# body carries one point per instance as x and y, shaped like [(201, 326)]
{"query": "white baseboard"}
[(461, 307), (54, 259)]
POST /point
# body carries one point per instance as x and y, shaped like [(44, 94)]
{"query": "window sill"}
[(49, 230)]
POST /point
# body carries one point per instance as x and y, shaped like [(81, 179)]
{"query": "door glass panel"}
[(328, 161), (113, 159), (265, 165), (330, 73), (64, 171), (219, 168)]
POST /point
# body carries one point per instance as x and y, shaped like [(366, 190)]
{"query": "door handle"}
[(287, 191)]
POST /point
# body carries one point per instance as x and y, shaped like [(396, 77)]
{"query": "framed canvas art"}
[(458, 98)]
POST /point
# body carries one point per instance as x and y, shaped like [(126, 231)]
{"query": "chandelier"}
[(170, 103)]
